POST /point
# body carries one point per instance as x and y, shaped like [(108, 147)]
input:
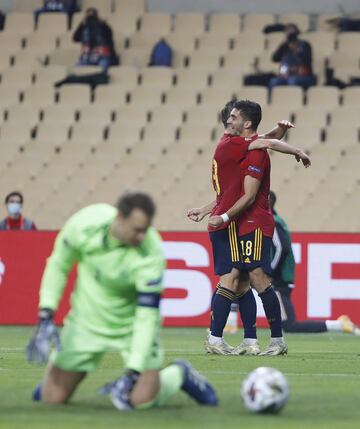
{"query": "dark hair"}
[(272, 200), (250, 111), (225, 112), (131, 200), (14, 194), (292, 28), (92, 10)]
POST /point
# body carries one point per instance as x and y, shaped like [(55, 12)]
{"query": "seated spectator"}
[(57, 6), (295, 58), (161, 55), (14, 220), (97, 45), (344, 23), (2, 20)]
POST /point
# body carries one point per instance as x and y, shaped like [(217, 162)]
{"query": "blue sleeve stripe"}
[(154, 282), (149, 300)]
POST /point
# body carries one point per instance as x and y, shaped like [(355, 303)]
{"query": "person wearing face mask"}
[(295, 59), (96, 38), (14, 220)]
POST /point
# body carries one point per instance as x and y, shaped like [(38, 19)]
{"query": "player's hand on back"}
[(45, 337)]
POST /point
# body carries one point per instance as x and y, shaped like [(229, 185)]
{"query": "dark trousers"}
[(289, 321)]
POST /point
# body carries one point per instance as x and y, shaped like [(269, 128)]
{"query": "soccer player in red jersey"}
[(255, 223), (229, 154)]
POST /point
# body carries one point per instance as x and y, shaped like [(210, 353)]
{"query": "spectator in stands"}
[(161, 55), (96, 38), (295, 58), (2, 20), (57, 6), (344, 23), (14, 220)]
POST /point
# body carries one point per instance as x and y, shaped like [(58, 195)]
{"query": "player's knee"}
[(243, 288), (259, 280), (259, 284), (55, 396), (230, 283), (143, 397), (146, 389)]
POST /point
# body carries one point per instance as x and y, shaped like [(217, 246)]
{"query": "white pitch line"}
[(11, 349), (291, 374)]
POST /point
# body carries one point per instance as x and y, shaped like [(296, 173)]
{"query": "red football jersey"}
[(226, 172), (258, 215)]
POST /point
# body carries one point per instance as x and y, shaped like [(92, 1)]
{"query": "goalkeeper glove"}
[(120, 389), (45, 337)]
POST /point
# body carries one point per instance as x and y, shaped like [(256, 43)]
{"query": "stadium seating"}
[(156, 128), (189, 23), (257, 21), (300, 19), (224, 23)]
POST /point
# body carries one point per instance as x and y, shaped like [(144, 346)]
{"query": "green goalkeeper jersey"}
[(118, 287)]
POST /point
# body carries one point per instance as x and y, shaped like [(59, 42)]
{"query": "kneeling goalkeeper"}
[(114, 305)]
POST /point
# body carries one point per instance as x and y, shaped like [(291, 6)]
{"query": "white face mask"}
[(14, 209)]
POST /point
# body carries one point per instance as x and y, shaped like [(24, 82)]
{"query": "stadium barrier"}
[(327, 277)]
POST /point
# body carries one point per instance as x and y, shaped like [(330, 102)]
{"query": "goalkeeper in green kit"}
[(114, 305)]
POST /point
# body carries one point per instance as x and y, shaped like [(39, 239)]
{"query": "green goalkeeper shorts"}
[(81, 351)]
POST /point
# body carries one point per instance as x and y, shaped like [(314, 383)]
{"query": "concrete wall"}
[(6, 5), (274, 6), (241, 6)]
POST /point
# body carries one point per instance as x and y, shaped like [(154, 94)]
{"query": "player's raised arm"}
[(279, 131), (283, 147)]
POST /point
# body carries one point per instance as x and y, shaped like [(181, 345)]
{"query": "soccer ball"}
[(265, 390)]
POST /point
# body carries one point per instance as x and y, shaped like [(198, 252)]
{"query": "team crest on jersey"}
[(255, 169), (2, 270)]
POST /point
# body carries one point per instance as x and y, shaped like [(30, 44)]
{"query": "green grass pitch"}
[(323, 371)]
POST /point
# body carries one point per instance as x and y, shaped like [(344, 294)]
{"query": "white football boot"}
[(219, 348), (276, 347), (247, 348)]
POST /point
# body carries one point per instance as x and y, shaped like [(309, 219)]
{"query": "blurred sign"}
[(327, 277)]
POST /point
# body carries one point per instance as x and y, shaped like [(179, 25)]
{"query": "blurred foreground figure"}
[(115, 305)]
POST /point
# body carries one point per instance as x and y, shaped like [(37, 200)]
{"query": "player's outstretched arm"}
[(53, 283), (283, 147), (279, 131), (198, 214)]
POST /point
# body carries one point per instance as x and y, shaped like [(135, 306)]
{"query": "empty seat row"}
[(196, 22)]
